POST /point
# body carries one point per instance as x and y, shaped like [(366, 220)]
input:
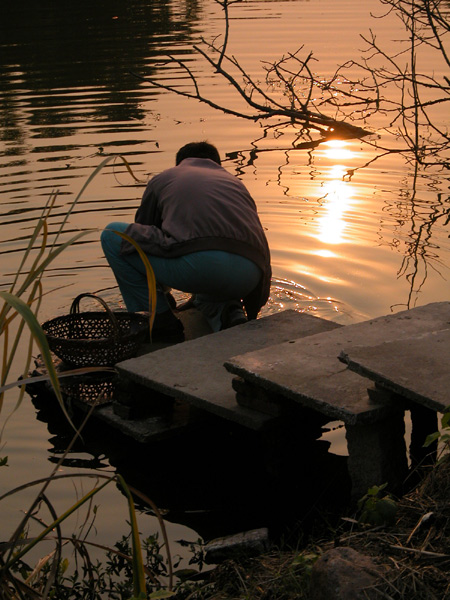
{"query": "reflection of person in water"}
[(200, 229)]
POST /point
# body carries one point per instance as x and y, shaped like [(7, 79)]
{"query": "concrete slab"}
[(149, 429), (309, 372), (193, 370), (417, 368)]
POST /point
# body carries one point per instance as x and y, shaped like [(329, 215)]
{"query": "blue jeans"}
[(214, 276)]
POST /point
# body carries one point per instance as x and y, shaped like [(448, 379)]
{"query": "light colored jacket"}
[(197, 206)]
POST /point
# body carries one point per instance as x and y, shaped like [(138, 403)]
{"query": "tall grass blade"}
[(46, 482), (80, 193), (39, 336), (28, 357), (139, 587), (39, 378), (17, 556), (37, 287), (129, 169), (85, 185), (32, 276), (151, 281), (52, 477), (42, 224), (158, 515)]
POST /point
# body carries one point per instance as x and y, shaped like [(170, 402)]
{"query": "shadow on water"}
[(216, 477), (52, 53)]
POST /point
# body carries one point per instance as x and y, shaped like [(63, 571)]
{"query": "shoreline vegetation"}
[(408, 551), (19, 312), (386, 547)]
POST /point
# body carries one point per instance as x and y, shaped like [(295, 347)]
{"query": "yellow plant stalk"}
[(151, 281), (39, 336), (28, 282)]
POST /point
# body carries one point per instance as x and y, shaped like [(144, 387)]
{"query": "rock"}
[(343, 574), (241, 545)]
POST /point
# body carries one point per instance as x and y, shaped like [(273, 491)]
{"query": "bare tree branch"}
[(291, 72), (391, 85)]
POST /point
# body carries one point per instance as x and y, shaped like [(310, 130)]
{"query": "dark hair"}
[(198, 150)]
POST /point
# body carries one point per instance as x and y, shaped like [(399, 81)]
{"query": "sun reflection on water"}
[(325, 253), (337, 150), (337, 197)]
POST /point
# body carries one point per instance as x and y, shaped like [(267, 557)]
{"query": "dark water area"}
[(62, 47), (351, 237), (218, 478)]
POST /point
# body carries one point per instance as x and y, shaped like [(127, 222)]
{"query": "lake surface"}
[(350, 238)]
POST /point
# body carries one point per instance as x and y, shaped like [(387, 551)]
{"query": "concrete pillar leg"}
[(377, 454), (424, 421), (135, 401)]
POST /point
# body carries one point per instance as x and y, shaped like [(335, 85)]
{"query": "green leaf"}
[(39, 336), (430, 439), (186, 574), (445, 421), (376, 489), (162, 594)]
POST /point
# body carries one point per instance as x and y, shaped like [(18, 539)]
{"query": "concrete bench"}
[(307, 371), (415, 369), (193, 370)]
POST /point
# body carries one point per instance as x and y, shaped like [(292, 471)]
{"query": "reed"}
[(18, 313)]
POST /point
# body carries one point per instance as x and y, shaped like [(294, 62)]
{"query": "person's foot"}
[(171, 300), (167, 328), (233, 314)]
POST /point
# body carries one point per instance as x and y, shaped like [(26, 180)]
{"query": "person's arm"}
[(148, 212), (148, 215)]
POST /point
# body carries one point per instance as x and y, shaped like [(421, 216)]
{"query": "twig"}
[(420, 552)]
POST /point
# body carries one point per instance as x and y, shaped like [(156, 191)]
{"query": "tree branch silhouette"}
[(292, 75)]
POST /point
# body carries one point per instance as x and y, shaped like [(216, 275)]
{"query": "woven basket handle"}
[(75, 309)]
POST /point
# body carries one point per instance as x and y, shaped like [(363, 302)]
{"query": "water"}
[(344, 246)]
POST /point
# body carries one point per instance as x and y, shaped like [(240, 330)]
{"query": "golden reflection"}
[(337, 196), (336, 150), (325, 253), (314, 274)]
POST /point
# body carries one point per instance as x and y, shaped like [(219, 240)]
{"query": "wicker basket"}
[(88, 339), (92, 388)]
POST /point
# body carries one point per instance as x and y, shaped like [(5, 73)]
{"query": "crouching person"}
[(200, 230)]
